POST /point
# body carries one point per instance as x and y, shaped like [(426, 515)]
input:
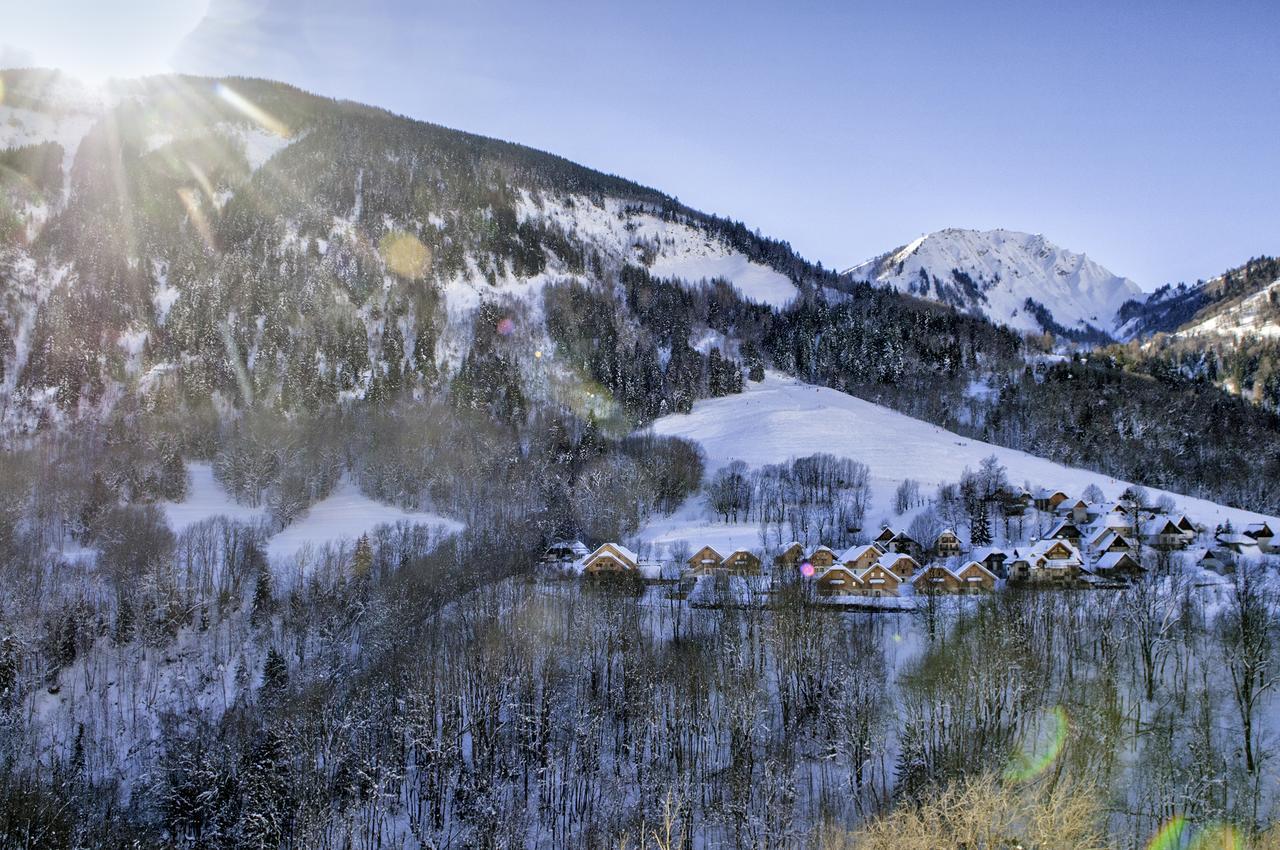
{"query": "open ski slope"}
[(782, 418)]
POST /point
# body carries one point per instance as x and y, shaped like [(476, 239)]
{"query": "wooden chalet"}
[(838, 581), (993, 558), (705, 560), (822, 557), (904, 544), (610, 558), (1048, 500), (791, 555), (1117, 565), (1068, 531), (741, 562), (936, 578), (947, 545), (899, 563), (1163, 533), (1076, 510), (884, 538), (976, 578), (877, 580), (1048, 561), (860, 557)]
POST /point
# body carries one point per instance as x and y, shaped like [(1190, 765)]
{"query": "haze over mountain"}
[(1018, 279)]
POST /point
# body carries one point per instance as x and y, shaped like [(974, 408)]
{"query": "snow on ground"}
[(20, 126), (343, 517), (205, 499), (1254, 316), (340, 518), (675, 249), (755, 281), (259, 144), (782, 418)]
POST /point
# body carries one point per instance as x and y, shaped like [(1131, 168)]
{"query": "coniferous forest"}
[(342, 303)]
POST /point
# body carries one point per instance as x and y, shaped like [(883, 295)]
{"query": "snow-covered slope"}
[(1258, 315), (782, 418), (995, 272)]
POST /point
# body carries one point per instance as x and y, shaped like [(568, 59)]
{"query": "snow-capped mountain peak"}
[(1020, 279)]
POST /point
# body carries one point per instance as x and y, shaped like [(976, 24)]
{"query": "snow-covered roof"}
[(972, 565), (888, 559), (985, 552), (853, 553), (1111, 560)]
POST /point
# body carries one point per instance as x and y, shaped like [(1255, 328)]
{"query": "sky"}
[(1146, 134)]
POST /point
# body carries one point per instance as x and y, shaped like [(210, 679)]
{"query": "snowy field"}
[(344, 516), (206, 498), (339, 518), (782, 418)]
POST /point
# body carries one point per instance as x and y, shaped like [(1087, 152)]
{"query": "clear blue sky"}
[(1144, 133)]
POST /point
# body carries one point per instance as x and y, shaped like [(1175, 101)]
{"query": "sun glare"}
[(252, 111)]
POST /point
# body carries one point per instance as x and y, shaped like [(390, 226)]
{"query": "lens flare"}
[(806, 569), (405, 255), (506, 326), (1218, 836), (1041, 753), (1170, 836), (252, 111)]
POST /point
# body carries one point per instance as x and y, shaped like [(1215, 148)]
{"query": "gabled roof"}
[(793, 544), (1065, 527), (972, 565), (1159, 525), (1111, 560), (839, 568), (984, 553), (616, 549), (736, 552), (853, 553), (818, 549), (1258, 529), (702, 549), (1069, 504), (886, 533), (930, 571), (888, 559)]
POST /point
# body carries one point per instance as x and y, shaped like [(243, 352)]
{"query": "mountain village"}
[(1088, 546)]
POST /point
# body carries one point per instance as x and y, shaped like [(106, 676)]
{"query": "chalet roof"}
[(1041, 494), (888, 559), (1065, 527), (706, 549), (823, 548), (1070, 504), (903, 537), (1111, 560), (1040, 550), (932, 571), (971, 565), (853, 553), (1258, 529), (1159, 525), (842, 569), (984, 553), (736, 552), (793, 544), (604, 548), (886, 533)]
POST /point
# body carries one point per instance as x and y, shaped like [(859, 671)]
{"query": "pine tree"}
[(264, 600), (362, 559), (980, 526), (275, 675)]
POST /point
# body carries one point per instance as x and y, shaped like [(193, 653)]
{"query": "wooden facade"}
[(741, 562), (705, 560)]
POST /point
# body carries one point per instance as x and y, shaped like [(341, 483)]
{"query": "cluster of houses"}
[(1087, 545)]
